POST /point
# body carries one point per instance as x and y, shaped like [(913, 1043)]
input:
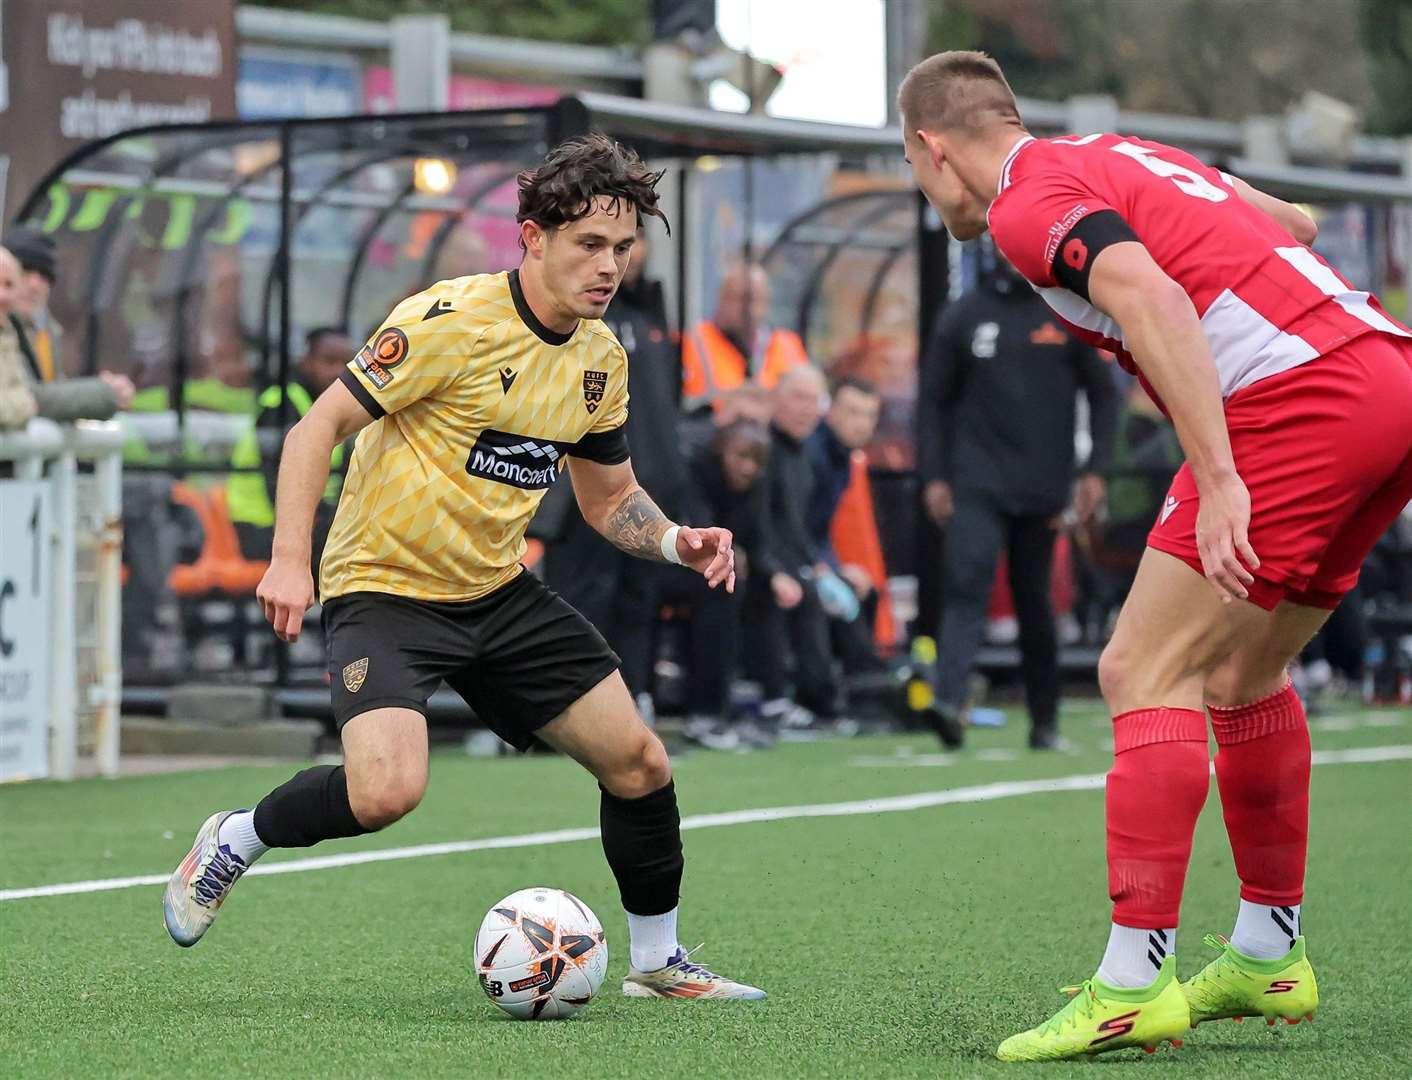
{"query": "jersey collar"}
[(1010, 160), (530, 319)]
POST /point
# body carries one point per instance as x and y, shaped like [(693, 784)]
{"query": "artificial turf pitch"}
[(895, 944)]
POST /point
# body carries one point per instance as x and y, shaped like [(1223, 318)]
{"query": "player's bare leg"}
[(641, 838), (1262, 771), (1172, 633), (383, 778)]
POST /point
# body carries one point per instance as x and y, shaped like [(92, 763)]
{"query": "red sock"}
[(1262, 770), (1158, 783)]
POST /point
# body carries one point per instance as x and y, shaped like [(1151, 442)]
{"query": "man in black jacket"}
[(998, 395), (783, 601), (727, 486), (619, 594)]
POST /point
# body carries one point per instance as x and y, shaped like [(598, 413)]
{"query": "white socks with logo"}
[(1264, 932), (1135, 956), (652, 940), (237, 832)]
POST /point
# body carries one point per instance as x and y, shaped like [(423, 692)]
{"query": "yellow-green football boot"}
[(1235, 985), (1100, 1018)]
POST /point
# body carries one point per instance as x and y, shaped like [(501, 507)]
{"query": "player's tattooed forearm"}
[(636, 526)]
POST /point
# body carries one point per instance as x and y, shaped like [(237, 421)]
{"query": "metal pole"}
[(421, 61), (282, 260), (109, 469), (63, 665)]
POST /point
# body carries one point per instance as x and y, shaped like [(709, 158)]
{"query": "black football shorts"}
[(519, 657)]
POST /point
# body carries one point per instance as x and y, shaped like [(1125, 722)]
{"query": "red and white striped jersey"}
[(1266, 302)]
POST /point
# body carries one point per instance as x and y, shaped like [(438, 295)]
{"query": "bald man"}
[(736, 346)]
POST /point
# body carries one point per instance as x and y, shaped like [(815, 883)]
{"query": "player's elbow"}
[(1302, 227)]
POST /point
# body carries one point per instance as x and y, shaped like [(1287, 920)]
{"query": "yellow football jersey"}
[(476, 403)]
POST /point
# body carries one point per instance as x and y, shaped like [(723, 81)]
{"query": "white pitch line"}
[(892, 804)]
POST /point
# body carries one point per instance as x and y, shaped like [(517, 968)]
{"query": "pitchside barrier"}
[(60, 597)]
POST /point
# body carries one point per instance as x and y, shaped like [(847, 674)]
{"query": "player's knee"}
[(392, 798), (643, 769), (1115, 671), (1239, 684)]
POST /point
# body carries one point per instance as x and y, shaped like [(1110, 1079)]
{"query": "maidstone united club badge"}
[(354, 674), (594, 384)]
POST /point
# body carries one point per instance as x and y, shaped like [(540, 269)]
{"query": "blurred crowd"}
[(1039, 469)]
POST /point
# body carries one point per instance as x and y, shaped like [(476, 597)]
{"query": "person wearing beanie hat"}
[(34, 248), (39, 334)]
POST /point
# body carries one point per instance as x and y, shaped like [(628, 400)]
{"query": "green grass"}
[(902, 944)]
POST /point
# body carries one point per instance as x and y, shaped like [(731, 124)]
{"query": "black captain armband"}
[(603, 447), (1074, 257)]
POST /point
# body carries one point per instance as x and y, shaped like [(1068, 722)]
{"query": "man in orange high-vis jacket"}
[(721, 353)]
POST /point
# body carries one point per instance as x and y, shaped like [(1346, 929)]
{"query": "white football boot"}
[(201, 883), (683, 979)]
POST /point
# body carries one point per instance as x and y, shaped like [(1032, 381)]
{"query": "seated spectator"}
[(783, 600), (40, 336), (250, 495), (736, 345), (727, 480), (17, 402), (849, 425)]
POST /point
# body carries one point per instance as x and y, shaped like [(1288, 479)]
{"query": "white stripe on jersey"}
[(1245, 345), (1248, 347), (1351, 300), (1010, 160), (1073, 308)]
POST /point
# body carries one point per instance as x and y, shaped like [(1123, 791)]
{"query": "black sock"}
[(311, 806), (642, 839)]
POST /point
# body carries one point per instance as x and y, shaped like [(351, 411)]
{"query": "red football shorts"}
[(1325, 450)]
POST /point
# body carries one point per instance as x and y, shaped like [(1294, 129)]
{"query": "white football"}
[(541, 954)]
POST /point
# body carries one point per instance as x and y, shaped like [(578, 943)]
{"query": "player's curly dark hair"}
[(577, 171)]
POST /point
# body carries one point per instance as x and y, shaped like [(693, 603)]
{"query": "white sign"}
[(833, 54), (25, 587)]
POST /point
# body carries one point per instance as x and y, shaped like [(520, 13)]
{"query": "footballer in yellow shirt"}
[(469, 401)]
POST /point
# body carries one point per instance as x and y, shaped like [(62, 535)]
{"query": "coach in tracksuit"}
[(995, 409)]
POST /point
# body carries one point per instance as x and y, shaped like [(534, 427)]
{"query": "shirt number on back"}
[(1189, 182)]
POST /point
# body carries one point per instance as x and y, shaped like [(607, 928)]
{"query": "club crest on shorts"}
[(354, 674), (594, 385)]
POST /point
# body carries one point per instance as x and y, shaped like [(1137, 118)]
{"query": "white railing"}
[(60, 600)]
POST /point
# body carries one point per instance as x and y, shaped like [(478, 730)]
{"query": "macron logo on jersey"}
[(517, 460)]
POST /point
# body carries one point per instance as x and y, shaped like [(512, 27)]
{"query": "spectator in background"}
[(39, 333), (737, 345), (620, 594), (17, 402), (783, 600), (849, 424), (1146, 455), (25, 394), (998, 395), (250, 495), (727, 482)]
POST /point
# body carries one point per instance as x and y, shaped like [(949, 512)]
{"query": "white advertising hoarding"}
[(25, 586)]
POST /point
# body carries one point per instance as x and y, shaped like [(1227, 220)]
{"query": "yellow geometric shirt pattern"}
[(476, 404)]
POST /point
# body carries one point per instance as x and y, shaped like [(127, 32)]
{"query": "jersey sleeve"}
[(1050, 228), (607, 440), (407, 359), (614, 411)]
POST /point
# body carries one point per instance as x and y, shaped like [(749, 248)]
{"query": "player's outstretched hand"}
[(1222, 525), (709, 552), (285, 593)]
